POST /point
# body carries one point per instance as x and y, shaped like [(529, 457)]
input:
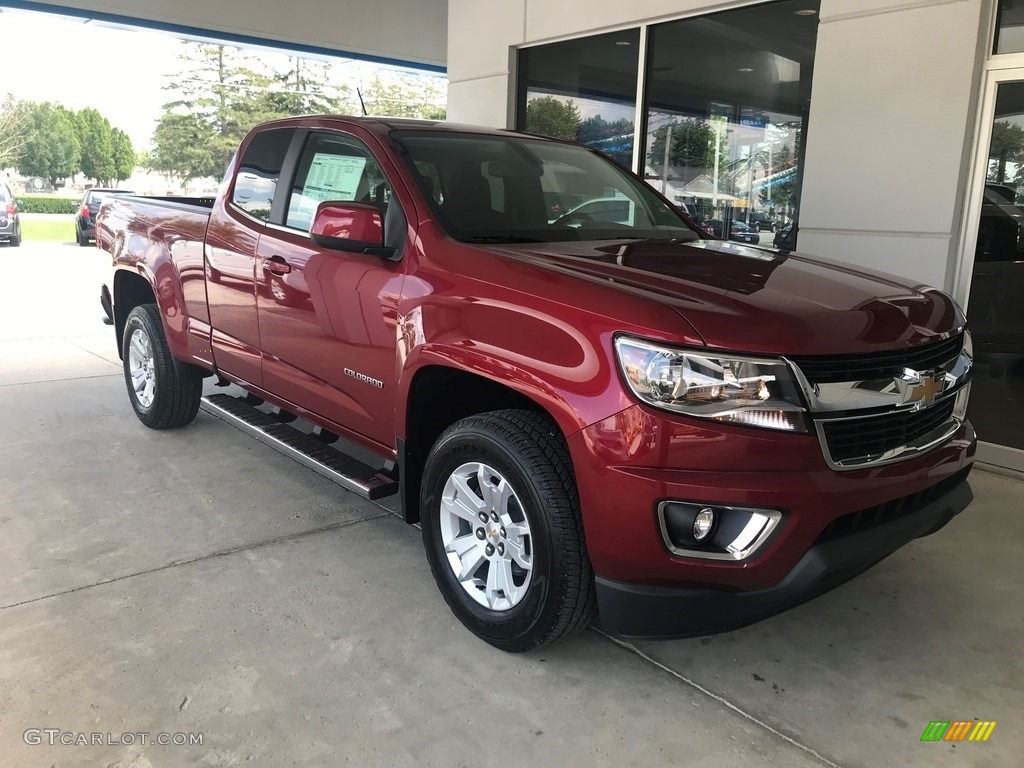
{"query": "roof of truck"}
[(385, 125)]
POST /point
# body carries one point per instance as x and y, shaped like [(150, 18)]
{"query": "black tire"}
[(83, 241), (16, 239), (177, 387), (529, 451)]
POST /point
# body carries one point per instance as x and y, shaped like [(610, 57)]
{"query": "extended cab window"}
[(339, 169), (260, 170)]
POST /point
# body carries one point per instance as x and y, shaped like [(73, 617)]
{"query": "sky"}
[(118, 71)]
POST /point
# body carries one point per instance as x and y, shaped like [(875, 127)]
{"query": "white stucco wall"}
[(406, 30), (891, 125), (891, 121)]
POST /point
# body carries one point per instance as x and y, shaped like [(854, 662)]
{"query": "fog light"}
[(703, 523), (720, 532)]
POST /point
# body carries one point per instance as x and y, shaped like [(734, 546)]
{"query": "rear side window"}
[(260, 171), (339, 169)]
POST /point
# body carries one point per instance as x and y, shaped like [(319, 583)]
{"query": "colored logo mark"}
[(958, 730)]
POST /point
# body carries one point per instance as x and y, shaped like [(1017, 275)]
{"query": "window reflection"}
[(727, 98), (997, 286), (583, 90)]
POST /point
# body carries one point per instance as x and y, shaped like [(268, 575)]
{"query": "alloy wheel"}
[(142, 368), (486, 536)]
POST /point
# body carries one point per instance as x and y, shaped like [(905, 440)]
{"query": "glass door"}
[(995, 306)]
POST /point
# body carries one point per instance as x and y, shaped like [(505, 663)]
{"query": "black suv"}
[(10, 221), (761, 222), (85, 220)]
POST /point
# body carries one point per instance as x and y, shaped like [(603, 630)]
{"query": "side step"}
[(346, 471)]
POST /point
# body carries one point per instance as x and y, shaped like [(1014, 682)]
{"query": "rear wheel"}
[(81, 237), (502, 530), (164, 393), (16, 239)]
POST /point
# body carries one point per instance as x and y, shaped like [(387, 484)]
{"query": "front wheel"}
[(163, 393), (502, 530)]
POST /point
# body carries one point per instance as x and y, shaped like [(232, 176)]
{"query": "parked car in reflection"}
[(10, 220), (785, 238), (738, 231), (85, 219), (610, 210), (761, 221)]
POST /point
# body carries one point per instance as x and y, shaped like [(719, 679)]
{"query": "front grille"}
[(865, 519), (862, 438), (878, 365)]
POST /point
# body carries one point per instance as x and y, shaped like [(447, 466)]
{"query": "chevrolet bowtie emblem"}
[(919, 389)]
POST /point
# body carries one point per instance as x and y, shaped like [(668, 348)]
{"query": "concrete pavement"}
[(195, 581)]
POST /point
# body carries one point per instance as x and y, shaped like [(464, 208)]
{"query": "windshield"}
[(509, 189)]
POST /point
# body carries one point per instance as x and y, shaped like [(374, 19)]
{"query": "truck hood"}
[(752, 299)]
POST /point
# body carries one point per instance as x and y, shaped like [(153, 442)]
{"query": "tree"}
[(51, 148), (184, 146), (216, 99), (13, 130), (1007, 147), (96, 137), (306, 89), (124, 155), (404, 95), (693, 145), (549, 116)]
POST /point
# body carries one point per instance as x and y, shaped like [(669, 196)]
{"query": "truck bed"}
[(153, 218)]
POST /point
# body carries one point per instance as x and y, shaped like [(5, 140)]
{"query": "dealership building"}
[(878, 133), (865, 122)]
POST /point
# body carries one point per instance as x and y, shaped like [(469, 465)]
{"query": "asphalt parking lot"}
[(197, 582)]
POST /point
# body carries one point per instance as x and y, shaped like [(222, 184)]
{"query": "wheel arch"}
[(440, 394), (129, 291)]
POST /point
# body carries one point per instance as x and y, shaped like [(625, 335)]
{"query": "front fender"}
[(569, 373)]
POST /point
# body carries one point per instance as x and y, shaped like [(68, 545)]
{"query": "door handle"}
[(276, 265)]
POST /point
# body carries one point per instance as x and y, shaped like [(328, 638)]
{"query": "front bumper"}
[(634, 610), (627, 464)]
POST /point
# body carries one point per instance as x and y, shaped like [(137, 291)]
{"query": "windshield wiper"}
[(499, 239)]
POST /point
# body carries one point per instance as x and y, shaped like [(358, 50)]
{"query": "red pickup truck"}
[(603, 412)]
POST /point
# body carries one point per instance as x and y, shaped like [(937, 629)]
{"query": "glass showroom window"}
[(1009, 27), (726, 108), (583, 90)]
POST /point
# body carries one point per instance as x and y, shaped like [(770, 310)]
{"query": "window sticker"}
[(333, 177)]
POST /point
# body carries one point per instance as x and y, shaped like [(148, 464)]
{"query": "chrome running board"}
[(351, 474)]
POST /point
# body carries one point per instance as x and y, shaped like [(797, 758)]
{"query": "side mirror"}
[(350, 226), (20, 203)]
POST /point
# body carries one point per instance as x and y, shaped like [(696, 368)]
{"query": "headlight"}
[(739, 390)]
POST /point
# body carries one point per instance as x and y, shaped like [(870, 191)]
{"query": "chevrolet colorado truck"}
[(614, 417)]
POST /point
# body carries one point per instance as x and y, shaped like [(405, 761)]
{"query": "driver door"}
[(327, 318)]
